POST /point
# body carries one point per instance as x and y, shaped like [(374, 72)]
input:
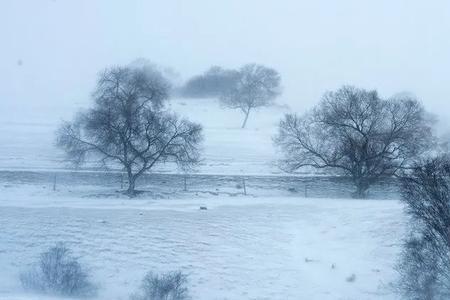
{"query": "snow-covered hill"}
[(27, 136), (272, 243)]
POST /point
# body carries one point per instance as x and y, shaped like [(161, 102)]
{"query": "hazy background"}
[(51, 51)]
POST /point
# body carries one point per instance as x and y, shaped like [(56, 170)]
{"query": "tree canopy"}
[(256, 86), (356, 133), (127, 126)]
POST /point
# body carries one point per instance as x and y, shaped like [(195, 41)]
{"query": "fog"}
[(285, 208), (52, 50)]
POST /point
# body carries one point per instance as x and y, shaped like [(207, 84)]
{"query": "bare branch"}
[(358, 134)]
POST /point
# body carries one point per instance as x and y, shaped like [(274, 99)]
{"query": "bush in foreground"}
[(424, 266), (419, 270), (58, 272), (167, 286)]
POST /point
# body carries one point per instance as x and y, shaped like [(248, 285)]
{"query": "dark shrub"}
[(167, 286), (58, 272), (418, 269), (424, 266)]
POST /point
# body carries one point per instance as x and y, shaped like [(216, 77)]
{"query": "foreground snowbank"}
[(240, 248)]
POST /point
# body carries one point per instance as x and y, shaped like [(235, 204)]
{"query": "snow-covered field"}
[(240, 248), (27, 136), (274, 243)]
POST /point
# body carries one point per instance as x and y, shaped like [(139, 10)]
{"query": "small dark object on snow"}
[(203, 208), (351, 278)]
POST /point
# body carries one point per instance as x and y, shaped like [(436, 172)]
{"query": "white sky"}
[(391, 45)]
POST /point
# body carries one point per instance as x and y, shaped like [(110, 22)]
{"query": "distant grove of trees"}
[(246, 89), (215, 82)]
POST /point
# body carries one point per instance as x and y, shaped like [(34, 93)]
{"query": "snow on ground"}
[(27, 136), (240, 248), (272, 244)]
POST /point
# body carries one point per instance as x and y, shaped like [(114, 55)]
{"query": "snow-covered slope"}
[(27, 136), (273, 248), (271, 244)]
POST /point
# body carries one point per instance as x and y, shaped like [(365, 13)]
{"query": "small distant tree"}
[(256, 86), (127, 126), (424, 266), (356, 133)]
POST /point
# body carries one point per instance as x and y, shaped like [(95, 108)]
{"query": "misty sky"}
[(51, 50)]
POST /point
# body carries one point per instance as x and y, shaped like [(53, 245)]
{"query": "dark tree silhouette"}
[(255, 87), (354, 132), (127, 126), (166, 286), (215, 82), (425, 262)]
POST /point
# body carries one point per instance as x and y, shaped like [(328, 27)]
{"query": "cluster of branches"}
[(256, 86), (425, 262), (128, 126), (356, 133)]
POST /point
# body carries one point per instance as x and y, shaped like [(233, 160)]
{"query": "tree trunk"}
[(131, 192), (361, 189), (246, 118)]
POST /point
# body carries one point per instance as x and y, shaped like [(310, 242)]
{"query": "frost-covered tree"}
[(256, 86), (358, 134), (128, 127)]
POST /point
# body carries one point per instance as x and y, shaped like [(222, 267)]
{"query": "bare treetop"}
[(255, 87), (132, 86)]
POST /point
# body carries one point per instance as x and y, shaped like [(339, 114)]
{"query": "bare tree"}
[(354, 132), (425, 262), (256, 86), (127, 126)]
